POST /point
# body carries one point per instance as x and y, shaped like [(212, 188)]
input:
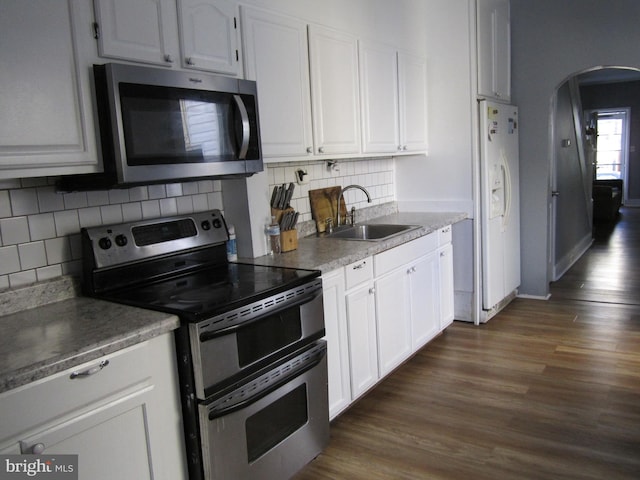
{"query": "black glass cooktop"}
[(212, 291)]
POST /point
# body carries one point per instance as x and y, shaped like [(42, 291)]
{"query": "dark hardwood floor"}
[(544, 390)]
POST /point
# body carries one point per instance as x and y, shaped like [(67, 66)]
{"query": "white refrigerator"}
[(500, 205)]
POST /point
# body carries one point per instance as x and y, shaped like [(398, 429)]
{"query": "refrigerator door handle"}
[(507, 191)]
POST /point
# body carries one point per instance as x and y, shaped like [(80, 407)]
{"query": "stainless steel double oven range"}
[(251, 359)]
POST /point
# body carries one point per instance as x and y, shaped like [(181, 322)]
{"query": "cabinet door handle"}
[(89, 371), (372, 290), (309, 150), (189, 61), (168, 58), (442, 254), (35, 449), (321, 150)]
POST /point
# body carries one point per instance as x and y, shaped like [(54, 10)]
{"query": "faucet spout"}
[(349, 187)]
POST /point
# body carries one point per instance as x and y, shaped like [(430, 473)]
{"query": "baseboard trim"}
[(567, 261), (534, 297)]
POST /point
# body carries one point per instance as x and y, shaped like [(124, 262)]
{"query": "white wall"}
[(552, 40)]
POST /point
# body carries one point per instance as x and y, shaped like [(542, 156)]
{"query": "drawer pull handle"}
[(89, 371), (359, 266)]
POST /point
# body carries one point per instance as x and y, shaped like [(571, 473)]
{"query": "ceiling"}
[(609, 75)]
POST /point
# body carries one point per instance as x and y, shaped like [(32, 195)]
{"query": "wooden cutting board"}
[(323, 205)]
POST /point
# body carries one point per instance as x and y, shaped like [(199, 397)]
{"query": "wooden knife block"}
[(288, 238)]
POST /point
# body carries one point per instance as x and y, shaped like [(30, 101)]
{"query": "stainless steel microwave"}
[(163, 126)]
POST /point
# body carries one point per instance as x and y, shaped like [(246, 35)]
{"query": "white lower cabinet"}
[(335, 321), (120, 415), (363, 354), (392, 305)]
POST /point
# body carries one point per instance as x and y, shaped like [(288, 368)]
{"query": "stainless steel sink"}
[(372, 232)]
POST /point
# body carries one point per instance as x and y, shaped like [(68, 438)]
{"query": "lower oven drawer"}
[(274, 433)]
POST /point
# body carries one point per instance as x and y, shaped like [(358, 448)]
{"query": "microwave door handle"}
[(246, 129)]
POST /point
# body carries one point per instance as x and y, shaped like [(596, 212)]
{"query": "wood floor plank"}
[(544, 390)]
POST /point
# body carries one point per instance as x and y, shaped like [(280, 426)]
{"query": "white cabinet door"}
[(363, 355), (111, 441), (424, 279), (334, 91), (494, 48), (379, 98), (393, 318), (141, 31), (277, 57), (412, 84), (46, 122), (335, 321), (209, 35), (445, 266)]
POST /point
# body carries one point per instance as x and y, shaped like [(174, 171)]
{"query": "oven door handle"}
[(261, 393), (208, 335)]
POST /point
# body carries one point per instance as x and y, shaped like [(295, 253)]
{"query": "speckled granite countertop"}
[(41, 341), (318, 253)]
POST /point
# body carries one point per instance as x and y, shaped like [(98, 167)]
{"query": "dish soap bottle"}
[(232, 246)]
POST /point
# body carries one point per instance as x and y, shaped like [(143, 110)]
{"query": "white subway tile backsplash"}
[(185, 205), (47, 273), (157, 191), (111, 214), (168, 207), (14, 230), (41, 226), (119, 195), (132, 212), (150, 209), (174, 190), (97, 198), (49, 200), (58, 250), (89, 217), (48, 244), (137, 194), (67, 222), (24, 201), (19, 279), (9, 260), (75, 200), (5, 204), (32, 255)]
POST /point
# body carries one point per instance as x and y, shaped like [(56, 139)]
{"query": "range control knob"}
[(104, 243), (121, 240), (206, 225), (217, 223)]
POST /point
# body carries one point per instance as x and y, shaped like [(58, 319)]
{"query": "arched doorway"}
[(573, 157)]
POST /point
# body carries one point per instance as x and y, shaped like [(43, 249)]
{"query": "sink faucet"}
[(353, 210)]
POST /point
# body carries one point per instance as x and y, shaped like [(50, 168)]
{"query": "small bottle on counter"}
[(273, 237), (232, 246)]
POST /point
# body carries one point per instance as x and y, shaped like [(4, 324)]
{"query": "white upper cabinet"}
[(494, 48), (276, 56), (209, 35), (393, 88), (141, 31), (334, 91), (203, 33), (46, 123), (379, 91), (412, 84)]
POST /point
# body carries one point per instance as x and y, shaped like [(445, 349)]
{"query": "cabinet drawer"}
[(59, 395), (401, 255), (444, 235), (358, 272)]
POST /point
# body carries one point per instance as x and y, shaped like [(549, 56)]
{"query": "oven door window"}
[(268, 427), (268, 335)]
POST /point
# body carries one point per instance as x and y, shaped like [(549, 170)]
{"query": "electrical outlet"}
[(302, 177)]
